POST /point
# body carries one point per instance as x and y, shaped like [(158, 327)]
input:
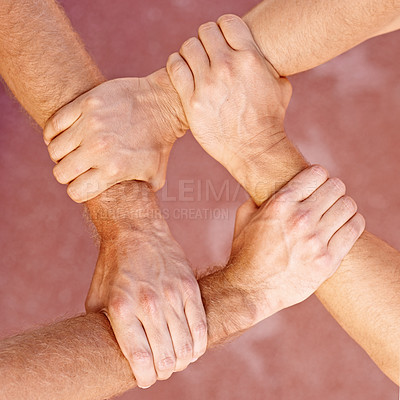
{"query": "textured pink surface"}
[(344, 115)]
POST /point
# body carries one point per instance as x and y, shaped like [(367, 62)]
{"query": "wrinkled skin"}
[(145, 285), (121, 130), (293, 242)]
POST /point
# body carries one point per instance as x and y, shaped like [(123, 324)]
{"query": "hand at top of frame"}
[(146, 287), (234, 100), (283, 251), (121, 130)]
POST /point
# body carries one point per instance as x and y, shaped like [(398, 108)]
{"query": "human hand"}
[(234, 100), (284, 250), (121, 130), (146, 287)]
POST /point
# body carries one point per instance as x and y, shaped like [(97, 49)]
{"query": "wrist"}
[(170, 104), (114, 217), (270, 167), (257, 294), (238, 305)]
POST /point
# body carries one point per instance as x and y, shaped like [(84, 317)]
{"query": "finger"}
[(181, 338), (197, 321), (337, 216), (134, 345), (196, 57), (62, 120), (325, 196), (89, 185), (243, 215), (303, 184), (181, 76), (73, 165), (236, 32), (160, 341), (64, 144), (158, 181), (343, 240), (213, 41)]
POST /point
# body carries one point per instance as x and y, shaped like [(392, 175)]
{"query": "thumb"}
[(243, 215)]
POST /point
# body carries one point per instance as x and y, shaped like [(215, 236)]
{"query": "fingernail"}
[(144, 387), (194, 359)]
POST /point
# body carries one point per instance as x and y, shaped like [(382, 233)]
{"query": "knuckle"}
[(93, 101), (74, 193), (55, 122), (356, 225), (207, 26), (102, 143), (95, 122), (59, 174), (226, 65), (352, 229), (191, 42), (349, 203), (166, 363), (190, 287), (185, 351), (53, 151), (157, 182), (287, 91), (160, 183), (301, 220), (251, 56), (176, 66), (171, 294), (196, 104), (361, 221), (317, 169), (325, 260), (279, 202), (317, 244), (92, 304), (200, 329), (115, 168), (337, 185), (148, 301), (118, 306), (142, 357)]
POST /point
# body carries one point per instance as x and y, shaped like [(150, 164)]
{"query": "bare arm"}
[(276, 261), (43, 61), (293, 35), (80, 359), (46, 66), (242, 126), (297, 35)]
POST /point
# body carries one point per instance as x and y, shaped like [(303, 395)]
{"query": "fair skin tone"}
[(40, 91), (295, 38), (46, 66), (139, 265), (258, 257), (368, 310)]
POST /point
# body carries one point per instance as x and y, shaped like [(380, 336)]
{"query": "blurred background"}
[(343, 115)]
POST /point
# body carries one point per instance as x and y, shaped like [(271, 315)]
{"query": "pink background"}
[(343, 115)]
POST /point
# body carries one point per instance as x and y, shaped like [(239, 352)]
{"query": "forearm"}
[(80, 359), (297, 35), (43, 60), (46, 66), (364, 294)]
